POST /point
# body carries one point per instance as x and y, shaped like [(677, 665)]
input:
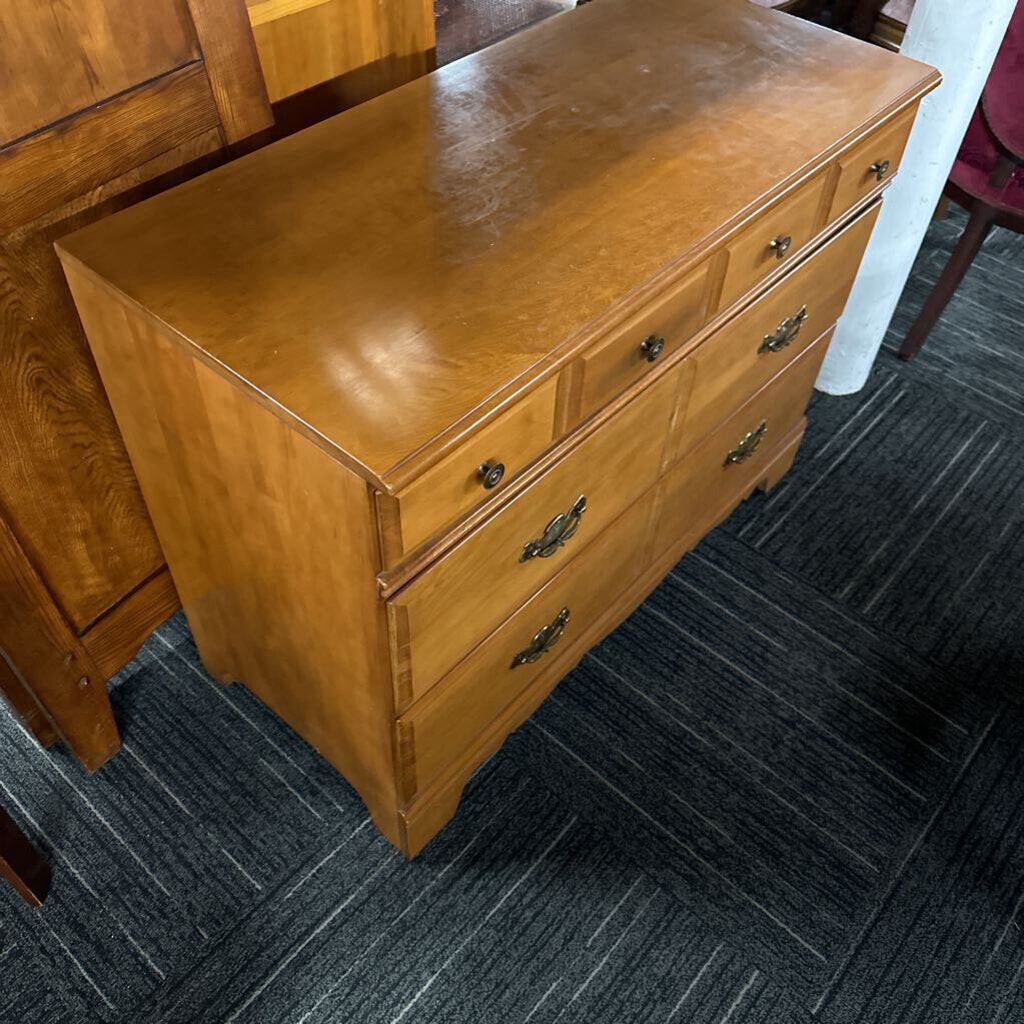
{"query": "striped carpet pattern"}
[(790, 788)]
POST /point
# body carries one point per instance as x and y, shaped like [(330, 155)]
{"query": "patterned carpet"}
[(788, 789)]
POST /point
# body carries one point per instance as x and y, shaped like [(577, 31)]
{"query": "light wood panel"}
[(295, 564), (856, 178), (455, 485), (59, 58), (469, 231), (363, 46), (752, 256), (454, 714)]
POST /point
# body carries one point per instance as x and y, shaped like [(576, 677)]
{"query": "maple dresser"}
[(425, 399)]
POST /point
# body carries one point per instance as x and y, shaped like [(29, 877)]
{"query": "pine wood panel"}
[(57, 165), (470, 231), (59, 58)]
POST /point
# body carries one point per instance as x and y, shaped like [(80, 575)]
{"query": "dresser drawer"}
[(632, 349), (474, 472), (773, 238), (436, 730), (865, 165), (459, 600), (751, 349), (722, 470)]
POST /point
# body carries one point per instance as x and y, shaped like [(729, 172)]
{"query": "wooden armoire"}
[(102, 103)]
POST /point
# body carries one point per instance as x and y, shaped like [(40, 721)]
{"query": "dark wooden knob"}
[(491, 472), (652, 347)]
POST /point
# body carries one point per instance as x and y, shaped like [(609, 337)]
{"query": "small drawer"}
[(629, 351), (772, 239), (447, 610), (473, 473), (751, 349), (868, 163), (434, 732), (723, 469)]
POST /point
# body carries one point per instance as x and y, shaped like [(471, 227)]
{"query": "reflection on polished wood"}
[(361, 371)]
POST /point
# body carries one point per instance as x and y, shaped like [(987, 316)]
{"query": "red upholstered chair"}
[(988, 176)]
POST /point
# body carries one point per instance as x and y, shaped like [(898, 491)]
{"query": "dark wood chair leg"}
[(22, 864), (978, 227)]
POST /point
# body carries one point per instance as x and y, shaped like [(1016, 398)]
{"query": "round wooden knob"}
[(490, 473)]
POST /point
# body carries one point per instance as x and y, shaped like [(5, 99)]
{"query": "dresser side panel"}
[(271, 543)]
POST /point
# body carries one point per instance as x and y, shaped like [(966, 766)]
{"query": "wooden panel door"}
[(102, 102)]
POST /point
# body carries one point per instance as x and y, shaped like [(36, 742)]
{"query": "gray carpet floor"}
[(788, 789)]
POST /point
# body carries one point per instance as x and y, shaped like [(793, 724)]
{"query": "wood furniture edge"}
[(395, 478)]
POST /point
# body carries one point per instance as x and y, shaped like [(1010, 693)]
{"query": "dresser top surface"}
[(391, 275)]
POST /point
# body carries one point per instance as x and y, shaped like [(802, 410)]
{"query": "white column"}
[(960, 38)]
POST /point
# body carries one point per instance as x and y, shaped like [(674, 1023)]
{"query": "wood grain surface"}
[(472, 223)]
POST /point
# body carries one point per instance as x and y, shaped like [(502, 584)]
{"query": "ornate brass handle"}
[(880, 168), (748, 445), (545, 638), (556, 533), (785, 334), (652, 347), (780, 246), (490, 473)]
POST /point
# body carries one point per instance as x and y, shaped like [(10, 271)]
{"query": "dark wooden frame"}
[(21, 864)]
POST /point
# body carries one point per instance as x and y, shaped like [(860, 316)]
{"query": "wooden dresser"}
[(424, 400)]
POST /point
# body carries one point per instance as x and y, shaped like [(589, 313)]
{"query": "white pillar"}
[(960, 38)]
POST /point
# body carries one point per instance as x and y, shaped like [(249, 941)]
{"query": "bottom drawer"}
[(444, 723), (724, 468)]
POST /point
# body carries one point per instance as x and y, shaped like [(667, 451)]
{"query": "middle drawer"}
[(460, 599)]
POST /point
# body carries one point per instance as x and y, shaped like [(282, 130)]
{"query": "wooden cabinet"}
[(554, 258), (102, 103)]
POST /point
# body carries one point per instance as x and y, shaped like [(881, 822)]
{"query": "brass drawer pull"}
[(748, 445), (652, 347), (490, 473), (780, 246), (785, 334), (556, 533), (545, 638), (880, 168)]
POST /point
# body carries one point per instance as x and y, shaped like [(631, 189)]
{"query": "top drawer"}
[(474, 472), (868, 163), (772, 239)]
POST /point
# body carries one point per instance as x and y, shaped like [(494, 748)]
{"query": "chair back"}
[(1002, 100)]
